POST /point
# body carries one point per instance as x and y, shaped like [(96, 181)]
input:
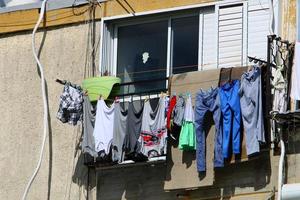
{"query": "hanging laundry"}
[(103, 131), (133, 129), (172, 104), (251, 108), (88, 141), (70, 106), (295, 82), (178, 111), (187, 138), (120, 122), (154, 134), (231, 111), (208, 101), (279, 91), (167, 101)]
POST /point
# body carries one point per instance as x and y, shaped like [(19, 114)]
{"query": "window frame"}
[(150, 16), (108, 55), (168, 18)]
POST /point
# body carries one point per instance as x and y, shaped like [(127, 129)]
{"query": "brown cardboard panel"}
[(192, 82), (182, 170), (181, 166)]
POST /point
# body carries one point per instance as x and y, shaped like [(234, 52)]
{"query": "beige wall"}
[(62, 175), (26, 19), (63, 56), (288, 14)]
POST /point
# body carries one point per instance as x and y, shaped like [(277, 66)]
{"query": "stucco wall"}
[(62, 175), (63, 55), (288, 14)]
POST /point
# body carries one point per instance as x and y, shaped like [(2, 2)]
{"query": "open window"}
[(155, 47), (158, 45)]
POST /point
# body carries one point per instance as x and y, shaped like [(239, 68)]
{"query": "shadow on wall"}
[(188, 157), (292, 137), (81, 176), (84, 177), (139, 182), (254, 173)]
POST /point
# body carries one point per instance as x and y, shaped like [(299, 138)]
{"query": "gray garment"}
[(251, 107), (280, 101), (120, 122), (153, 132), (88, 142), (279, 91), (133, 129), (178, 111)]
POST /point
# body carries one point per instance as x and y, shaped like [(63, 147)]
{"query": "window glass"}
[(142, 55), (185, 44)]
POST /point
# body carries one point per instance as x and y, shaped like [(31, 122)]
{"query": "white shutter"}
[(230, 35), (209, 43), (258, 28), (242, 32)]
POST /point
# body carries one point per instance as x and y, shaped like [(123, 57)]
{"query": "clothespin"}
[(116, 99), (100, 96), (85, 93)]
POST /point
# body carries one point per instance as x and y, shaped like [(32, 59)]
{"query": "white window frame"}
[(112, 58), (112, 70), (169, 39)]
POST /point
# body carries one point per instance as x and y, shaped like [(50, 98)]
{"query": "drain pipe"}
[(281, 166), (286, 191)]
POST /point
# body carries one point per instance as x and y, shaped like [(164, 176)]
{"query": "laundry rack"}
[(123, 96)]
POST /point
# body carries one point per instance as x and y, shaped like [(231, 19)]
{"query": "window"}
[(157, 46), (142, 54), (142, 50), (185, 34), (154, 49)]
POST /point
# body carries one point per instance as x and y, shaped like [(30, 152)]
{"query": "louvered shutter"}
[(258, 28), (209, 42), (230, 35)]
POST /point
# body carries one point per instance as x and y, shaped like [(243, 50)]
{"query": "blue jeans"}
[(208, 101), (231, 110)]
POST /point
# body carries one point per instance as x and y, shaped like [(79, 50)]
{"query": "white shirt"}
[(103, 130), (188, 110)]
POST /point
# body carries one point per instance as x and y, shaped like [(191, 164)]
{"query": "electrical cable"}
[(45, 103)]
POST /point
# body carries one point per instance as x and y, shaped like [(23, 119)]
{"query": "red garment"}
[(170, 110)]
